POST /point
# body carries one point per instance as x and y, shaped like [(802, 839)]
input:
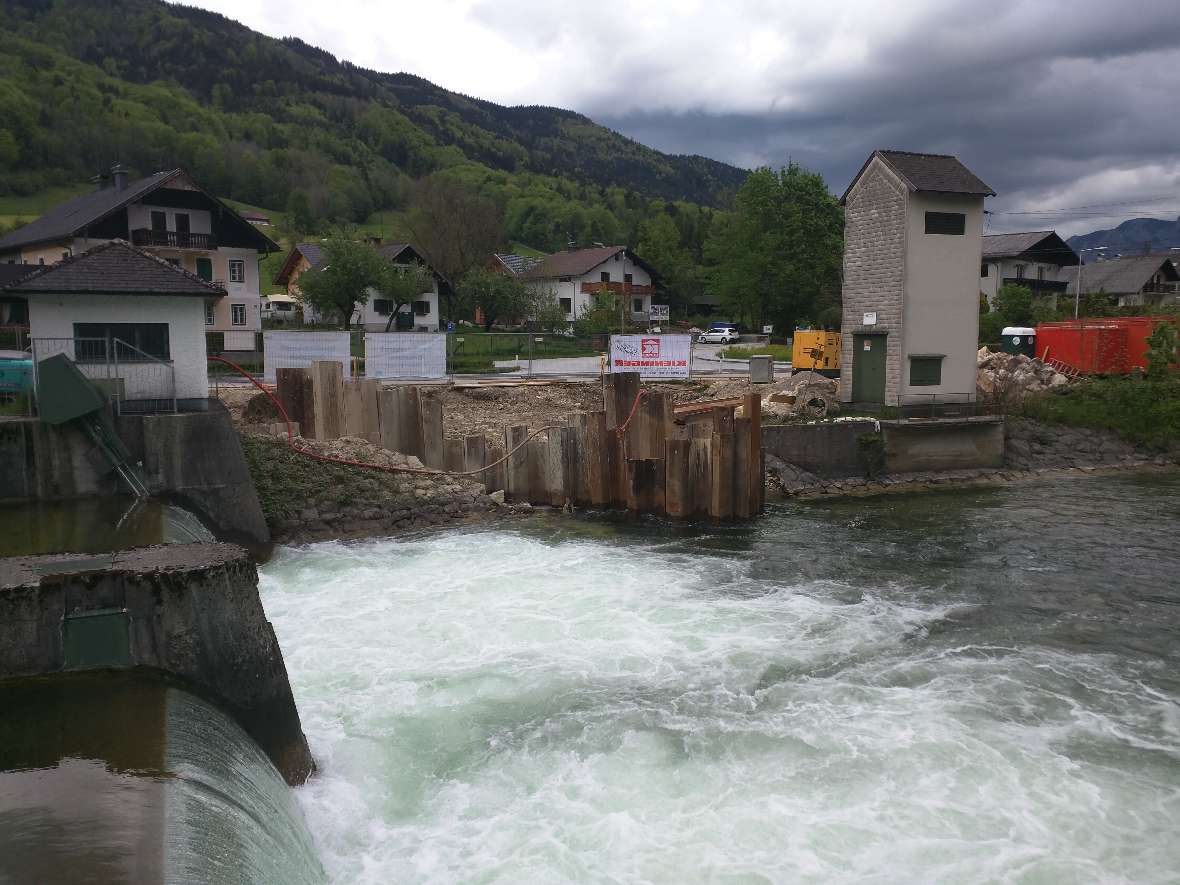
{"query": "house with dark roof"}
[(1033, 259), (422, 314), (1133, 280), (578, 279), (119, 308), (168, 215), (913, 232)]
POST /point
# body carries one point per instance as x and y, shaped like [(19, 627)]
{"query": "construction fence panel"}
[(298, 350), (405, 355), (653, 356), (567, 354)]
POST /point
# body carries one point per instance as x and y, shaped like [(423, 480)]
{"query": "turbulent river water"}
[(977, 686)]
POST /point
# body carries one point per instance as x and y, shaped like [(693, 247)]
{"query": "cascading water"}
[(968, 687), (120, 779)]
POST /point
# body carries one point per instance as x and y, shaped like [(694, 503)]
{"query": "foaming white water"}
[(487, 707)]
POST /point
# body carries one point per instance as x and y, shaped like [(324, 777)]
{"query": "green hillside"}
[(281, 124)]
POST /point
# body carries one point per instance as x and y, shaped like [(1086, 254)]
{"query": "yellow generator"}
[(816, 352)]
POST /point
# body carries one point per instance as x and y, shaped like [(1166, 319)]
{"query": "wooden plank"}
[(389, 412), (687, 410), (555, 468), (677, 490), (455, 455), (741, 468), (289, 384), (721, 491), (410, 434), (354, 410), (430, 413), (494, 477), (757, 480), (621, 390), (572, 466), (308, 408), (651, 423), (597, 458), (645, 485), (328, 394), (475, 449), (517, 476), (537, 467), (700, 475), (723, 420), (371, 423)]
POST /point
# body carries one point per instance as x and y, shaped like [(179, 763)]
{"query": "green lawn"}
[(780, 352)]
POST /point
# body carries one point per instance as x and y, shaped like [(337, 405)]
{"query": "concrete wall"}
[(53, 317), (833, 450), (874, 270), (193, 457), (827, 450), (942, 294), (189, 611), (944, 445)]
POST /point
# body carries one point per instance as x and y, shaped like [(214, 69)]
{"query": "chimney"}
[(119, 176), (99, 181)]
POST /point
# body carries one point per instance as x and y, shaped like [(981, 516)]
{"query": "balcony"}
[(172, 239), (1166, 288), (617, 288), (1037, 287)]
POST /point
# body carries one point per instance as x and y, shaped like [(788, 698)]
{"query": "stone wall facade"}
[(874, 270)]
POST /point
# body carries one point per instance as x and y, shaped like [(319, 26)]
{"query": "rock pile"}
[(804, 395), (1003, 377), (353, 448)]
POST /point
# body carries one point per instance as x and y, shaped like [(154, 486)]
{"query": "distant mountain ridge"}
[(366, 117), (1136, 236)]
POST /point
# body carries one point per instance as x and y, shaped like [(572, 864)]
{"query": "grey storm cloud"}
[(1055, 104)]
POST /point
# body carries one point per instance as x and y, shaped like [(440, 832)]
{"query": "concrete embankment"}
[(194, 458), (190, 612), (836, 460)]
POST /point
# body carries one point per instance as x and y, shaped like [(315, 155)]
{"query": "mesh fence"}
[(133, 379), (405, 355), (298, 350)]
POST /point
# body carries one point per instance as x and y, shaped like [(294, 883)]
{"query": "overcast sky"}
[(1056, 105)]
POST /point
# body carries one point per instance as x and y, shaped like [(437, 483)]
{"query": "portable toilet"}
[(1019, 339)]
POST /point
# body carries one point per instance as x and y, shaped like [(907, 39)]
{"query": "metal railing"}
[(14, 337), (134, 380), (172, 239)]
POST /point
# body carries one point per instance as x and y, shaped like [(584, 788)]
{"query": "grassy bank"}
[(1143, 412)]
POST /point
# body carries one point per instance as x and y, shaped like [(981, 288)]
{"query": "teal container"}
[(1019, 339), (16, 376)]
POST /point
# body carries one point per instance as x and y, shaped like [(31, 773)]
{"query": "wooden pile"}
[(637, 453)]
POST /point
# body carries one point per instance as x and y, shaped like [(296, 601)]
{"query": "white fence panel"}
[(653, 356), (298, 350), (238, 340), (405, 355)]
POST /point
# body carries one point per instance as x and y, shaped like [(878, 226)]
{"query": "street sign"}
[(659, 312), (768, 330)]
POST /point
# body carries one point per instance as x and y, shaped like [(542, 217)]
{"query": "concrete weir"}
[(189, 612)]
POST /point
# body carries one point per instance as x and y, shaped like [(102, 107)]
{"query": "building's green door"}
[(205, 268), (868, 368)]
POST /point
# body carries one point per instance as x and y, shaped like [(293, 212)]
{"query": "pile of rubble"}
[(353, 448), (803, 395), (1006, 376)]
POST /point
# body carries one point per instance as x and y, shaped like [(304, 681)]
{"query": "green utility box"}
[(1019, 339)]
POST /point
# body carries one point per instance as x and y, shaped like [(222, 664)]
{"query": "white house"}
[(1032, 259), (422, 314), (913, 230), (576, 277), (170, 216), (123, 315)]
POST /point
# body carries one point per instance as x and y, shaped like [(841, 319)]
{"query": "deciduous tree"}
[(496, 295), (347, 271)]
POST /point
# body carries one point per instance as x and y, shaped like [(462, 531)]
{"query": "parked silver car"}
[(719, 336)]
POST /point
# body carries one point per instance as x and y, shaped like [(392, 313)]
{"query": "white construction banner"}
[(653, 356), (405, 355), (298, 350), (238, 341)]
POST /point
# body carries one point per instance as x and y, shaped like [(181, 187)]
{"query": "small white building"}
[(575, 278), (170, 216), (125, 316), (1033, 259), (422, 314), (913, 230)]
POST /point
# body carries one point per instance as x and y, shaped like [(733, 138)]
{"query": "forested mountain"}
[(279, 123), (1133, 237)]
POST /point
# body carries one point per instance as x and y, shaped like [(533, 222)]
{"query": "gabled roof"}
[(114, 268), (516, 264), (927, 173), (1121, 276), (575, 262), (10, 273), (1038, 245), (314, 253), (70, 218)]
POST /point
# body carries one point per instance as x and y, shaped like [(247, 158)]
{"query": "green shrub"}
[(1143, 411)]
